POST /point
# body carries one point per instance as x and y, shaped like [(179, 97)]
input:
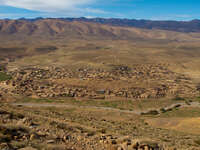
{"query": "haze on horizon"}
[(132, 9)]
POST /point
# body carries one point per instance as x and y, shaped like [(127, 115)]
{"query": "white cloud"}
[(54, 8), (98, 11), (183, 16), (48, 5)]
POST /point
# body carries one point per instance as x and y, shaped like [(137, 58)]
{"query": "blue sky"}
[(132, 9)]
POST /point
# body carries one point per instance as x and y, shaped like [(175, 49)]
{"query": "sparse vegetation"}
[(77, 125), (4, 76), (177, 98), (46, 49), (163, 110), (197, 142), (151, 112), (122, 104), (182, 113)]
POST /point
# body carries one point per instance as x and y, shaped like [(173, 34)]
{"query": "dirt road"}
[(138, 112)]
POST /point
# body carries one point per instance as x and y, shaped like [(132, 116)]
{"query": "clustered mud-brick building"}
[(100, 84)]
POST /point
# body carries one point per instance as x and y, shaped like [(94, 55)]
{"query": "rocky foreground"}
[(28, 132), (29, 128)]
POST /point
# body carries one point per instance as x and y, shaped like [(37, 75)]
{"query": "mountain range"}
[(179, 26), (82, 28)]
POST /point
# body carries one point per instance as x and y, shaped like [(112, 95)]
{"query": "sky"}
[(131, 9)]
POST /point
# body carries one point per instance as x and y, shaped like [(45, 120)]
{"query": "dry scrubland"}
[(77, 85), (48, 125)]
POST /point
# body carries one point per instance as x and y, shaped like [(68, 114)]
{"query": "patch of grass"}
[(183, 112), (4, 76), (70, 109), (29, 99), (177, 98), (198, 98), (109, 104), (123, 104)]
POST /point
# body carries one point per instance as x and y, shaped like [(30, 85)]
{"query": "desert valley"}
[(97, 84)]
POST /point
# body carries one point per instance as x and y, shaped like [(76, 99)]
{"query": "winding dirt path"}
[(138, 112)]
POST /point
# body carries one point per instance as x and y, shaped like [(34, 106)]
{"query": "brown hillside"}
[(51, 28)]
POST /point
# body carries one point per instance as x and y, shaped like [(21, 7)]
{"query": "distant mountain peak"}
[(178, 26)]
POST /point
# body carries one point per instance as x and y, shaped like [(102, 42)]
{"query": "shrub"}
[(197, 141), (151, 112), (4, 76), (177, 98), (163, 110)]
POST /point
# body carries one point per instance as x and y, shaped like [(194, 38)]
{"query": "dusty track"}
[(138, 112)]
